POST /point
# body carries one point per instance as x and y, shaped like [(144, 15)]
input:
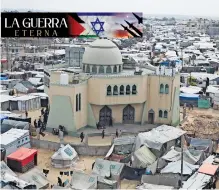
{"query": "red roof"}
[(3, 60), (22, 154)]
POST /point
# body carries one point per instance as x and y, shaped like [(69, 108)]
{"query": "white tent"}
[(158, 136), (65, 157), (35, 81), (175, 167), (6, 169), (26, 103)]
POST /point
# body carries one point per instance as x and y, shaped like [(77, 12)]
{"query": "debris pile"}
[(203, 126)]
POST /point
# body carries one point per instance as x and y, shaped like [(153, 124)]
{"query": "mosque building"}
[(102, 90)]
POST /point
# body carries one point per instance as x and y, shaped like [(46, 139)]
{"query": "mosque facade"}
[(101, 90)]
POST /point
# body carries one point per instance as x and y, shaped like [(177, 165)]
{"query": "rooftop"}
[(22, 153)]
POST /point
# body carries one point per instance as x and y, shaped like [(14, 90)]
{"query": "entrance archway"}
[(105, 116), (128, 115)]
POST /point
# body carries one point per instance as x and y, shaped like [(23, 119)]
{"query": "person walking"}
[(82, 136), (117, 133), (26, 114), (35, 123), (42, 111), (103, 134)]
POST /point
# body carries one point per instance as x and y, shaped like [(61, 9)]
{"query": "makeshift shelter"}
[(25, 103), (153, 186), (25, 87), (14, 139), (197, 181), (159, 139), (36, 81), (143, 157), (44, 98), (5, 102), (22, 160), (130, 173), (205, 145), (175, 167), (189, 155), (121, 149), (160, 180), (8, 124), (35, 176), (65, 157), (188, 99), (6, 169), (81, 181), (103, 183), (208, 169), (109, 169), (2, 117), (40, 88)]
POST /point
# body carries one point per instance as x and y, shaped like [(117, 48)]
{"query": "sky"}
[(208, 8)]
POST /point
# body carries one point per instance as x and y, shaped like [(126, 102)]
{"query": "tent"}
[(189, 99), (110, 169), (205, 145), (22, 160), (175, 167), (103, 183), (14, 139), (157, 137), (65, 157), (189, 155), (44, 98), (197, 181), (121, 149), (2, 117), (143, 157), (153, 186), (25, 87), (6, 169), (80, 181), (35, 176), (8, 124), (25, 103)]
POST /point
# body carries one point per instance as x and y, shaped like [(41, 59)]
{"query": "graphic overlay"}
[(109, 25)]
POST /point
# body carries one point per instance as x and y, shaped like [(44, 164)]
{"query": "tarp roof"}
[(35, 176), (152, 186), (3, 117), (35, 81), (208, 169), (189, 96), (125, 140), (196, 142), (190, 90), (24, 98), (189, 155), (196, 181), (5, 168), (143, 157), (81, 181), (65, 153), (12, 135), (16, 124), (105, 168), (175, 167), (158, 136), (21, 154)]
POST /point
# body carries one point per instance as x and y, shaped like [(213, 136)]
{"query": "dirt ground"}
[(83, 164), (202, 123)]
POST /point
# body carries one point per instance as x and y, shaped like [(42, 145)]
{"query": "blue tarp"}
[(187, 96), (2, 117), (3, 78), (168, 63)]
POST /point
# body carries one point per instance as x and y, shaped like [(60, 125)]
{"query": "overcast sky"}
[(169, 7)]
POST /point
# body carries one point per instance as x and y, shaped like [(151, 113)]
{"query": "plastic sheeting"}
[(152, 186), (132, 173), (80, 181), (109, 169), (143, 157), (191, 156), (197, 181), (175, 167), (8, 124), (158, 136)]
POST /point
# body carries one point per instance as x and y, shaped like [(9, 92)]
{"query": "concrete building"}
[(102, 90)]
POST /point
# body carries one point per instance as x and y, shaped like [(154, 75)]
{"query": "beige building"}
[(102, 90)]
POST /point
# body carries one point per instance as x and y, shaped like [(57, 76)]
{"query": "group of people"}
[(42, 118), (103, 134)]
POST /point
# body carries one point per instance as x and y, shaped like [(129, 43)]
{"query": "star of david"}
[(97, 30)]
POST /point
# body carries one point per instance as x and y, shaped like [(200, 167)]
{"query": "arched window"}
[(94, 69), (160, 113), (161, 88), (109, 91), (88, 69), (108, 69), (101, 69), (166, 89), (134, 89), (165, 114), (115, 69), (115, 90), (121, 90), (77, 102), (127, 89)]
